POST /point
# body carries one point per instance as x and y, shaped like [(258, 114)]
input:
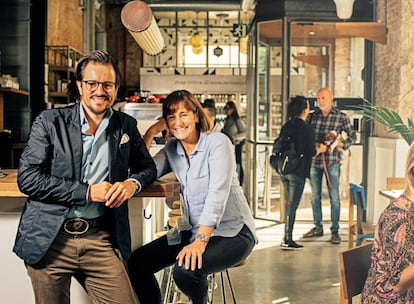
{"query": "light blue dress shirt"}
[(209, 185), (95, 163)]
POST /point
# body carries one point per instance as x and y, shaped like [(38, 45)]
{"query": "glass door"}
[(297, 58)]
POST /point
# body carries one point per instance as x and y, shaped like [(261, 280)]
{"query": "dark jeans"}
[(293, 186), (220, 253)]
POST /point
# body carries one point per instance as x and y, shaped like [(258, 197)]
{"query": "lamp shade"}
[(243, 44), (196, 42), (137, 17), (344, 8)]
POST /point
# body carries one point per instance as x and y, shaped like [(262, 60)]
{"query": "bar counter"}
[(165, 187), (147, 214)]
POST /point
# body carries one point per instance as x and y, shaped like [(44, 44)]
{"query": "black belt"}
[(78, 226)]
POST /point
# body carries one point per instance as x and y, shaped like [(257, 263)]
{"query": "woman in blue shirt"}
[(216, 229)]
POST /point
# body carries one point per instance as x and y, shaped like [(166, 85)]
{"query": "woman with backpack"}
[(303, 137)]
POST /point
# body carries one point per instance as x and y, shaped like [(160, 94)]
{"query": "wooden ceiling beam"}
[(374, 31)]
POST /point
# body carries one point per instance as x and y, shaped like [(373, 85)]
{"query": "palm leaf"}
[(389, 118)]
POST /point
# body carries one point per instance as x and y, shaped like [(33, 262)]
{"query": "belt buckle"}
[(76, 226)]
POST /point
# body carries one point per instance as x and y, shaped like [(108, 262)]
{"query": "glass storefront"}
[(291, 58)]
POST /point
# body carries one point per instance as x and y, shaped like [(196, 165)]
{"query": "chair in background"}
[(359, 228), (395, 183), (353, 271)]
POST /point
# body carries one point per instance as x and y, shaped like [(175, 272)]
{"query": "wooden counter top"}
[(165, 187)]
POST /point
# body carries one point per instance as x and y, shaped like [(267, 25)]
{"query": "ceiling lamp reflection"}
[(137, 17)]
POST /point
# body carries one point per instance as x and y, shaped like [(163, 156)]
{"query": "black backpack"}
[(284, 158)]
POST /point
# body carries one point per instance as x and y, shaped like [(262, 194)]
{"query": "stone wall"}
[(394, 68)]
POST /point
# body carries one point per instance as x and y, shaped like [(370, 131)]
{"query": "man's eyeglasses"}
[(92, 85)]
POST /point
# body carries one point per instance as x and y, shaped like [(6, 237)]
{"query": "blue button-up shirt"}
[(95, 163), (209, 185)]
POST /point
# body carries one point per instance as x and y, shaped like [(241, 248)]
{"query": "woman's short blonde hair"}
[(409, 173)]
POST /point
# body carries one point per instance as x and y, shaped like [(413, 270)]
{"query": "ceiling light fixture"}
[(196, 42), (243, 44), (344, 8), (137, 17)]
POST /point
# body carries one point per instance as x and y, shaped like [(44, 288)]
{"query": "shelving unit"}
[(222, 99), (60, 63)]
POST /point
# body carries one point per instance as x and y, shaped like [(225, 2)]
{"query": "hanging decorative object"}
[(344, 8), (218, 51), (137, 17), (243, 44), (196, 42)]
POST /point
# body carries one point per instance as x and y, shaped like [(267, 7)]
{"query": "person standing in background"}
[(211, 112), (325, 120), (79, 167), (303, 137), (391, 275), (235, 129)]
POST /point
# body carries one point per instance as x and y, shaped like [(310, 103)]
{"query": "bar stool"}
[(170, 293), (213, 285)]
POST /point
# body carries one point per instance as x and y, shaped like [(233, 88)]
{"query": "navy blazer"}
[(50, 174)]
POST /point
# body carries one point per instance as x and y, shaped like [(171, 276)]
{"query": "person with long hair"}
[(391, 275), (235, 129), (303, 137), (216, 229)]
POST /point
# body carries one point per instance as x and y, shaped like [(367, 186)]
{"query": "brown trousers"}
[(90, 259)]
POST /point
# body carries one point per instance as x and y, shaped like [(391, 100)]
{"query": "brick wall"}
[(394, 68)]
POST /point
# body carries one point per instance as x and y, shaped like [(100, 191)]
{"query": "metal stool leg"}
[(231, 286), (212, 287)]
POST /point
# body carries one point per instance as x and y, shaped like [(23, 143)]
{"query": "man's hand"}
[(320, 148), (113, 195)]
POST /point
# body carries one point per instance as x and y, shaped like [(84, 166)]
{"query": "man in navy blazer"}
[(79, 167)]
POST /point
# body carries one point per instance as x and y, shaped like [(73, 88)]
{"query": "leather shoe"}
[(313, 232), (335, 238)]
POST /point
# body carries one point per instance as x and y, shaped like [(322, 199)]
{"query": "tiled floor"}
[(275, 276)]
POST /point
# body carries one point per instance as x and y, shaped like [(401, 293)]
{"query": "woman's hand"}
[(153, 130), (192, 255)]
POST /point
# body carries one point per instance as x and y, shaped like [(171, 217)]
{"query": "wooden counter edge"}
[(159, 188)]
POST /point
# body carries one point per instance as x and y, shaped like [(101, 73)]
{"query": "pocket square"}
[(124, 139)]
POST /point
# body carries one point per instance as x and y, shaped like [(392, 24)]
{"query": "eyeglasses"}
[(92, 85)]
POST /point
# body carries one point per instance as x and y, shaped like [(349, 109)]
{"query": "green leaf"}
[(389, 118)]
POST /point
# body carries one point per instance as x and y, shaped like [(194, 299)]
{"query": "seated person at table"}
[(391, 276), (216, 230)]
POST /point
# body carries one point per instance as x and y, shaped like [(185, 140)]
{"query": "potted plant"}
[(390, 119)]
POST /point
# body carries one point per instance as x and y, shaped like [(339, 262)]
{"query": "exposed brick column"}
[(394, 68)]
